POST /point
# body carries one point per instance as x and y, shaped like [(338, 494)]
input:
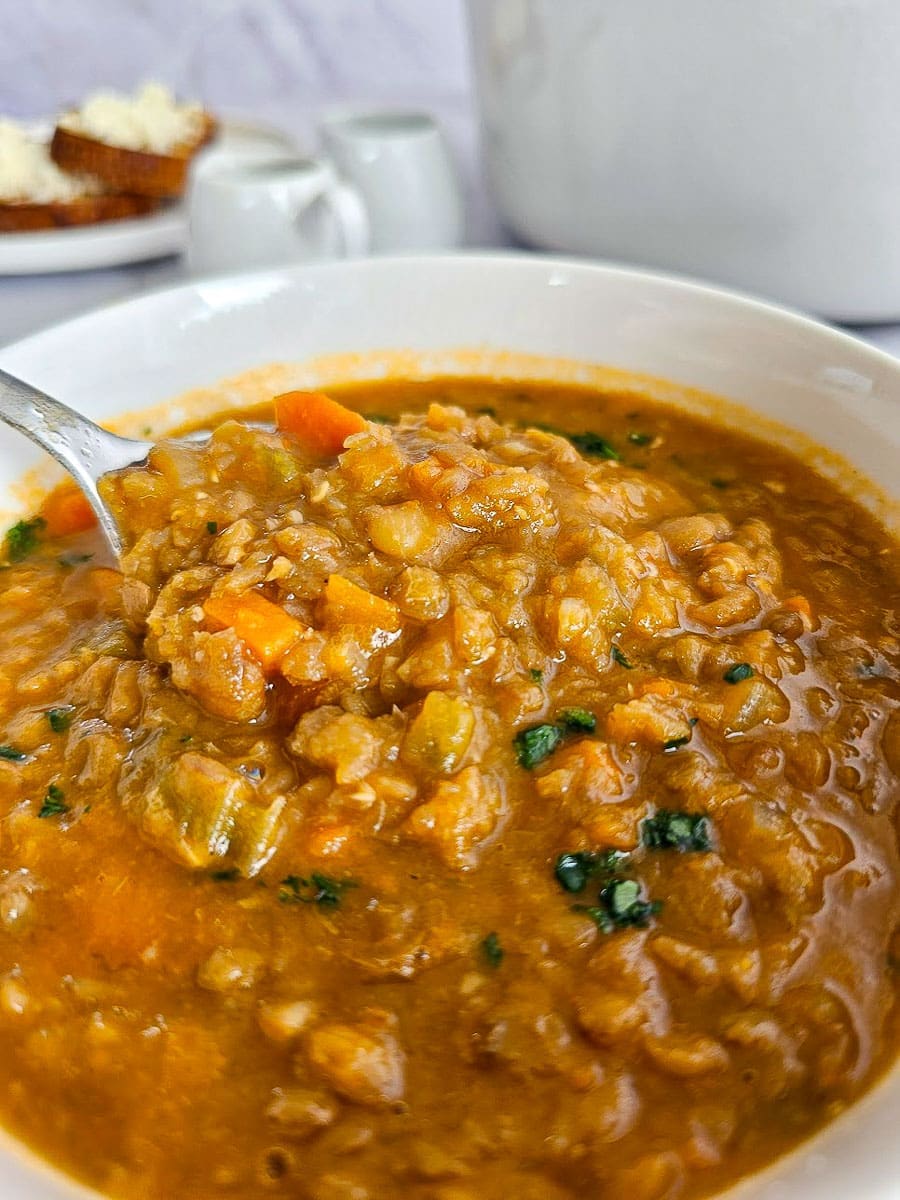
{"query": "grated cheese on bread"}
[(29, 175), (152, 120)]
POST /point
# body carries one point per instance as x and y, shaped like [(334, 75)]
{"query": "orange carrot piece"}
[(329, 839), (319, 422), (798, 604), (266, 629), (658, 687), (348, 604), (66, 510)]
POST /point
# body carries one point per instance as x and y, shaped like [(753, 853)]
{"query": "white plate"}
[(782, 366), (112, 243)]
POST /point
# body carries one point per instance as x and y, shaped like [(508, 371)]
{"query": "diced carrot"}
[(658, 687), (348, 604), (268, 631), (329, 839), (798, 604), (66, 510), (319, 422)]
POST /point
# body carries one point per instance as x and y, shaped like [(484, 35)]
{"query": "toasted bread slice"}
[(28, 216), (136, 172)]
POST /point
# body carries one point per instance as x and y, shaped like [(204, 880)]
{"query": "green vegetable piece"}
[(537, 675), (318, 889), (492, 950), (22, 539), (593, 445), (54, 802), (598, 915), (212, 527), (622, 900), (573, 870), (11, 754), (226, 875), (60, 718), (677, 831), (738, 673), (533, 745), (640, 439), (619, 657), (577, 720)]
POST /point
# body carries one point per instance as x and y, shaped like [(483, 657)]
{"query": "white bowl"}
[(508, 314)]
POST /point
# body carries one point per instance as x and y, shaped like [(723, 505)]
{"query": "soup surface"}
[(475, 811)]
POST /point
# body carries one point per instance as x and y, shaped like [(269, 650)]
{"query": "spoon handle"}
[(85, 450)]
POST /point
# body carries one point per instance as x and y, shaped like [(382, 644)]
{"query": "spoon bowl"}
[(87, 451)]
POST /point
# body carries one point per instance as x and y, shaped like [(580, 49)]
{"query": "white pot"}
[(756, 144), (512, 316)]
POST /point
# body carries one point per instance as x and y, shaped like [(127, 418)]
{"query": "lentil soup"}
[(496, 799)]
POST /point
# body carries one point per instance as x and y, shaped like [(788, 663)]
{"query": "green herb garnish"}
[(492, 950), (577, 720), (620, 907), (212, 527), (60, 718), (533, 745), (318, 889), (619, 657), (575, 869), (11, 754), (536, 674), (640, 439), (22, 539), (677, 831), (738, 673), (54, 802), (593, 445), (674, 743)]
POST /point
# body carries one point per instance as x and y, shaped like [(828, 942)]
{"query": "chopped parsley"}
[(60, 718), (492, 950), (22, 539), (533, 745), (73, 560), (677, 831), (575, 869), (593, 445), (185, 738), (577, 720), (619, 657), (11, 754), (640, 439), (620, 907), (54, 803), (674, 743), (536, 674), (225, 875), (318, 889), (738, 673), (212, 527)]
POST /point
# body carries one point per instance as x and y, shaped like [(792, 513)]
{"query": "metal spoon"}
[(85, 450)]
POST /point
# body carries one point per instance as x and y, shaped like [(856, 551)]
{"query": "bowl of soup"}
[(480, 772)]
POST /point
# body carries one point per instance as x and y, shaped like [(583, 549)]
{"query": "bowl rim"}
[(774, 316)]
